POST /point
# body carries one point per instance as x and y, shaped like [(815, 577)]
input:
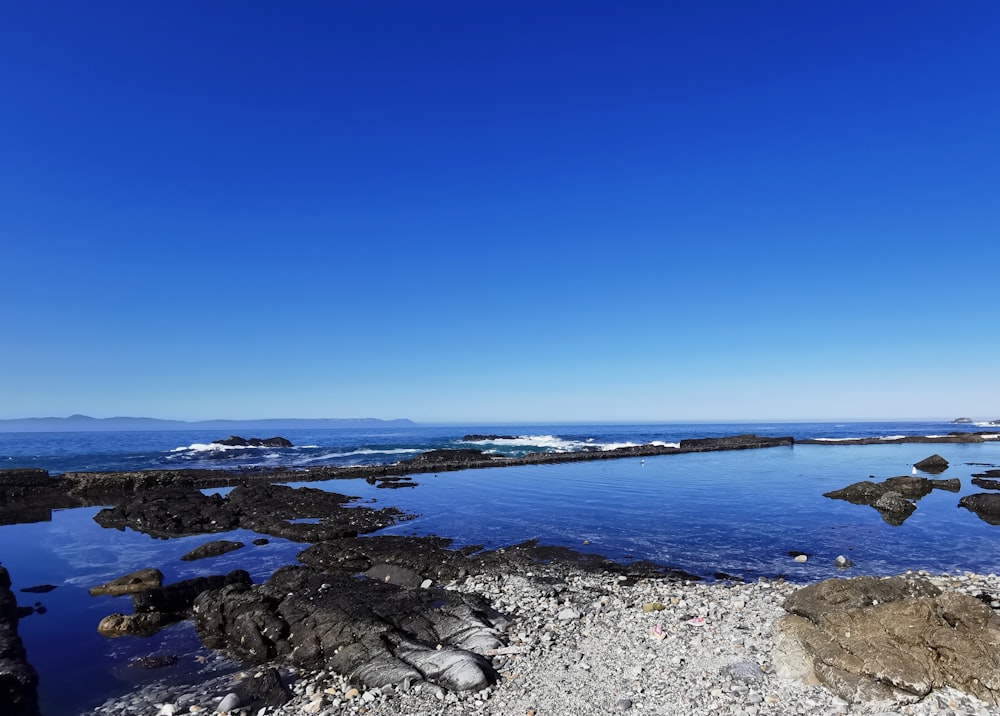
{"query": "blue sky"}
[(500, 211)]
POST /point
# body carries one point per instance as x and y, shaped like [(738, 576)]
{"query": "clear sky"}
[(500, 211)]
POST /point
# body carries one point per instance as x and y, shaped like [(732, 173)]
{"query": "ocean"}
[(738, 513)]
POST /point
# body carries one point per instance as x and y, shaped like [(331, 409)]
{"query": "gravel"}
[(594, 643)]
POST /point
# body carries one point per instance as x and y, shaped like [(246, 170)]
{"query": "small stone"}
[(568, 614), (801, 558), (652, 607), (352, 693), (623, 704), (230, 702), (842, 562)]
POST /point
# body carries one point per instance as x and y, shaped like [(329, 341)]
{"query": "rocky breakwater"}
[(953, 437), (18, 680)]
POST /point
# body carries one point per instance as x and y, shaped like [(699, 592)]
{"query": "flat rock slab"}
[(373, 632), (212, 549), (898, 639), (137, 581)]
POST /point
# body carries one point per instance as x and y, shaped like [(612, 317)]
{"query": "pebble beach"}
[(590, 644)]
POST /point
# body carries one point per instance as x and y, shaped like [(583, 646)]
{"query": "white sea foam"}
[(834, 440), (553, 443)]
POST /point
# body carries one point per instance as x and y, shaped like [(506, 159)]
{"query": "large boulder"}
[(889, 639), (371, 631)]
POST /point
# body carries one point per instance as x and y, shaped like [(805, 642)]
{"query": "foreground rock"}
[(18, 680), (890, 639), (373, 632), (702, 648), (934, 464)]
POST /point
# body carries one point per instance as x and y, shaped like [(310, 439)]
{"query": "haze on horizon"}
[(497, 213)]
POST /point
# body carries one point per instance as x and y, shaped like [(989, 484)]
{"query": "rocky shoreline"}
[(407, 625), (590, 642)]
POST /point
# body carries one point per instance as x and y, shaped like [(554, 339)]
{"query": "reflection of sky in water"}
[(737, 512)]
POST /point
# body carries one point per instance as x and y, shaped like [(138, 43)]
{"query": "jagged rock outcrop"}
[(870, 639), (373, 632), (18, 679), (933, 464)]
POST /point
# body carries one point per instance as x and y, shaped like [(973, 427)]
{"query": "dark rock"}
[(260, 541), (871, 639), (735, 442), (986, 483), (985, 505), (987, 473), (395, 482), (212, 549), (373, 632), (894, 508), (264, 508), (170, 512), (933, 464), (449, 456), (266, 689), (179, 596), (476, 438), (962, 421), (138, 581), (892, 496), (18, 679), (237, 441)]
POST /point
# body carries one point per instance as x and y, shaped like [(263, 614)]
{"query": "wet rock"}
[(116, 625), (933, 464), (153, 661), (373, 632), (170, 512), (18, 679), (986, 483), (137, 581), (894, 508), (898, 639), (179, 596), (237, 441), (394, 574), (266, 688), (212, 549), (985, 505), (734, 442)]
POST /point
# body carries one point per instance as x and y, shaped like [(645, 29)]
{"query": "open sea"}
[(737, 512)]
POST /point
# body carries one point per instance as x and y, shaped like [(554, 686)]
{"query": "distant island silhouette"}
[(87, 423)]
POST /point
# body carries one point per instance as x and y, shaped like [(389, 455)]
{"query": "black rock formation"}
[(18, 679), (237, 441)]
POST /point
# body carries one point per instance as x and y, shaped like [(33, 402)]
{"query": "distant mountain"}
[(87, 423)]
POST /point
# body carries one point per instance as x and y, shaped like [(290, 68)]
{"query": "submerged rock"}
[(212, 549)]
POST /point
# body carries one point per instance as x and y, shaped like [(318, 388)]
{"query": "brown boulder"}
[(138, 581), (896, 639)]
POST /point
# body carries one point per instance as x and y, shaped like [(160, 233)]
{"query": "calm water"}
[(736, 512)]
